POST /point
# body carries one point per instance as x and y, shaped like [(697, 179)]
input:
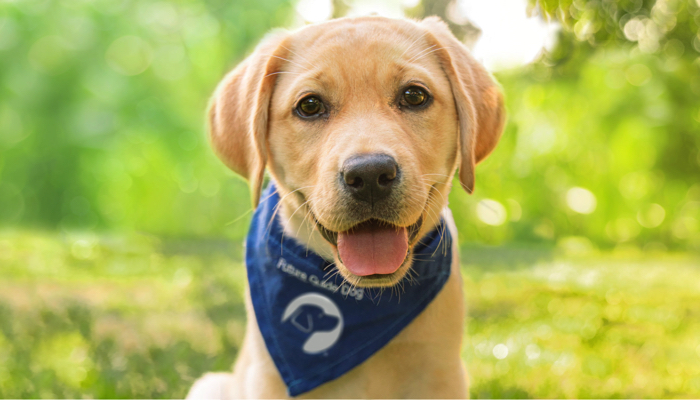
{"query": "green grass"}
[(135, 316)]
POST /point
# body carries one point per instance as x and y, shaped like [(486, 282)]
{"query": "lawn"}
[(138, 316)]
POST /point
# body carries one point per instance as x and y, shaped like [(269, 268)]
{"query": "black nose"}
[(369, 177)]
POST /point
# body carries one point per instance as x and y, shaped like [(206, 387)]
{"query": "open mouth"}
[(373, 249)]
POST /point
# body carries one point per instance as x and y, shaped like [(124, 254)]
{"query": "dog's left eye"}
[(414, 96), (310, 106)]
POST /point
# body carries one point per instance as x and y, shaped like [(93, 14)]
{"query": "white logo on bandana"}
[(318, 342)]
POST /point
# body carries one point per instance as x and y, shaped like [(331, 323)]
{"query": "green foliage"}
[(625, 128), (606, 21), (102, 125), (102, 106), (653, 25), (134, 316), (613, 109)]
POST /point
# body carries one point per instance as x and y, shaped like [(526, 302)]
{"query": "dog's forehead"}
[(367, 43)]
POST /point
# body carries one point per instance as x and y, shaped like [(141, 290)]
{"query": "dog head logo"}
[(321, 341)]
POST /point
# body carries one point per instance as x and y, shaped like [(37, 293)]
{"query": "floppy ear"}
[(478, 99), (238, 113)]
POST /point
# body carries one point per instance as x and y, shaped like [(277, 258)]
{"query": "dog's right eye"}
[(310, 106), (414, 97)]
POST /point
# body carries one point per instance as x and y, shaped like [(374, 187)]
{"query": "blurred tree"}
[(460, 25), (101, 120), (661, 39), (101, 111), (651, 24)]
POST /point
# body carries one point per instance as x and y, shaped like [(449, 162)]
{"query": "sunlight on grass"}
[(141, 316), (602, 327)]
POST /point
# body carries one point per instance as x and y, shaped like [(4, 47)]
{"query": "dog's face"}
[(372, 135), (362, 123)]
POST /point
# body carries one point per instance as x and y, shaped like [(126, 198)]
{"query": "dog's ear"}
[(239, 109), (478, 99)]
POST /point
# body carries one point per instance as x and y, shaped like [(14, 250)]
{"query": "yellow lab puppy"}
[(362, 123)]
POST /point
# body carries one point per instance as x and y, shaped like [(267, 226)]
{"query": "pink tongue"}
[(369, 250)]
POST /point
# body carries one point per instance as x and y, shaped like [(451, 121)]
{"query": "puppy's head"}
[(362, 123)]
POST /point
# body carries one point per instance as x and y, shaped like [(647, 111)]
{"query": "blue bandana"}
[(317, 328)]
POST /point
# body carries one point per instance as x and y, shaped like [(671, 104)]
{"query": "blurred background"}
[(121, 233)]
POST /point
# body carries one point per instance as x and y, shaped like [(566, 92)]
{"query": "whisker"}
[(289, 219), (295, 54), (410, 60), (253, 209), (282, 72), (279, 205), (410, 46), (464, 187), (426, 54), (293, 62)]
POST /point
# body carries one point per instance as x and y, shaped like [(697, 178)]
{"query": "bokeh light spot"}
[(491, 212), (634, 29), (651, 216), (500, 351), (581, 200), (532, 351)]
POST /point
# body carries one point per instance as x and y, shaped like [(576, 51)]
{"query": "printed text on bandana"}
[(344, 289)]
